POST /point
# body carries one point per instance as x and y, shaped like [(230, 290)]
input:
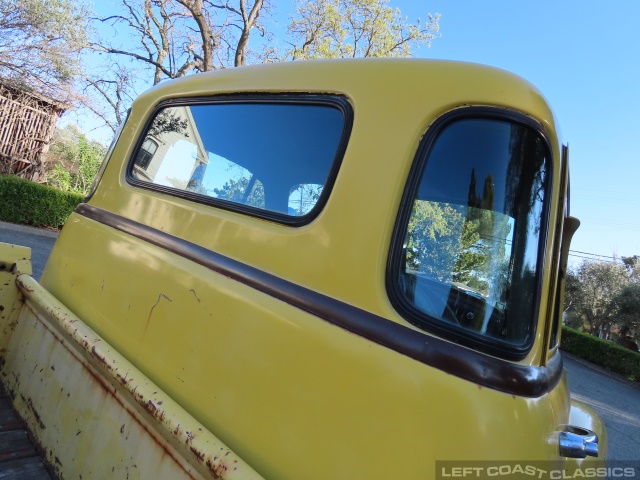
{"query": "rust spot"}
[(27, 401), (122, 428), (195, 294), (217, 469), (97, 356), (101, 382), (197, 453), (150, 407)]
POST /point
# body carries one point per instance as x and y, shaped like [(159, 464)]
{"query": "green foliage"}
[(459, 244), (355, 28), (601, 352), (171, 39), (26, 202), (593, 291), (626, 304), (76, 160), (435, 239), (40, 42)]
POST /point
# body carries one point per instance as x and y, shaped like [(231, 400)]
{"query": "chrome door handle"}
[(577, 442)]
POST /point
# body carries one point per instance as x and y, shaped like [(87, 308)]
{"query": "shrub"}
[(26, 202), (601, 352)]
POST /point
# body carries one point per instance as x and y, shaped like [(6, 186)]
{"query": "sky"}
[(584, 56)]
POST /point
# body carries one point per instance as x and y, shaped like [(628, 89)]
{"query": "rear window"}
[(265, 157), (468, 258)]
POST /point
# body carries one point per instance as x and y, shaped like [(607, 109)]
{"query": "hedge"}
[(23, 201), (601, 352)]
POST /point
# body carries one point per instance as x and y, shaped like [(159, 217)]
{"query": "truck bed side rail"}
[(93, 413)]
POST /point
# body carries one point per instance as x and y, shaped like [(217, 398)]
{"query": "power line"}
[(594, 254), (595, 259)]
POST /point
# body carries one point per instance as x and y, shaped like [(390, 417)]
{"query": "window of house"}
[(468, 257), (146, 153), (259, 156)]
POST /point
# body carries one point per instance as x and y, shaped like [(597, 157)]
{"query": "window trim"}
[(399, 301), (332, 100)]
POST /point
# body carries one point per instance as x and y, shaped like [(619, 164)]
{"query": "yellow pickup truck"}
[(314, 270)]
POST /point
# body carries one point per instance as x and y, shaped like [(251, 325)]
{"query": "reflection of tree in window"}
[(303, 197), (436, 235), (483, 266), (472, 238), (526, 174), (168, 121), (146, 153), (248, 191)]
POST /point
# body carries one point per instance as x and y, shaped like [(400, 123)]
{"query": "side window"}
[(259, 157), (468, 265)]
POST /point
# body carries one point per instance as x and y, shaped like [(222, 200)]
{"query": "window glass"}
[(147, 150), (472, 239), (269, 156), (303, 197)]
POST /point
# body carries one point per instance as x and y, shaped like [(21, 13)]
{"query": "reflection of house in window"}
[(146, 153)]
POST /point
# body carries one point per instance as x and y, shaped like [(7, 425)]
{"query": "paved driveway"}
[(40, 241), (617, 402)]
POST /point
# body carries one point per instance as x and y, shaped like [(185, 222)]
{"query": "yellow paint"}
[(292, 395), (94, 414)]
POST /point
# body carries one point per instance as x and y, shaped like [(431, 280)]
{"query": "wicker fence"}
[(27, 122)]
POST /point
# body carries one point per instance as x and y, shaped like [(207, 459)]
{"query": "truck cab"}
[(336, 269)]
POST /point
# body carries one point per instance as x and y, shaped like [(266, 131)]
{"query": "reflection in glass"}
[(280, 164), (472, 239)]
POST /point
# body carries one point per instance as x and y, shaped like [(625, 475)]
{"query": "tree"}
[(627, 307), (632, 265), (108, 93), (237, 191), (593, 291), (75, 160), (174, 38), (442, 242), (178, 37), (355, 28), (40, 43)]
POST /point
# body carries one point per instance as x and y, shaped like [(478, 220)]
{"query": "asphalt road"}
[(40, 241), (617, 401)]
